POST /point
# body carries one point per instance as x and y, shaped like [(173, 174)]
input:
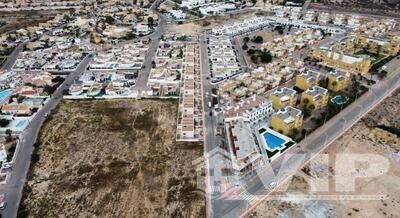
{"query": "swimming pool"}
[(273, 142), (21, 124), (338, 99), (4, 94)]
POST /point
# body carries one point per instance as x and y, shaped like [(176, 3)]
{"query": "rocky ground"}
[(363, 138), (113, 159)]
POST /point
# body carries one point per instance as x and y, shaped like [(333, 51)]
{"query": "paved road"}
[(12, 57), (16, 181), (310, 147), (211, 141), (141, 83)]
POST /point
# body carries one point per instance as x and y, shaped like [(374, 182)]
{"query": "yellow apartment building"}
[(307, 79), (283, 97), (337, 80), (314, 98), (287, 119)]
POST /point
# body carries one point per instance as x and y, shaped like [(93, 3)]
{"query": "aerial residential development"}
[(199, 108)]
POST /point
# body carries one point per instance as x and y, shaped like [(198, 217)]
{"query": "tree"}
[(58, 79), (180, 55), (20, 99), (257, 39), (246, 39), (254, 58), (378, 49), (130, 35), (110, 20), (265, 57), (65, 92), (9, 135), (150, 21), (4, 122), (251, 51), (306, 112), (245, 47), (382, 74)]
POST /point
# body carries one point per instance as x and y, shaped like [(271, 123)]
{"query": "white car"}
[(6, 165), (3, 203), (272, 185)]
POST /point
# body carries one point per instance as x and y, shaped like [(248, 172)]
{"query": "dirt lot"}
[(23, 19), (361, 139), (113, 159)]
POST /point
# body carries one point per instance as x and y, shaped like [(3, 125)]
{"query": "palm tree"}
[(306, 101), (334, 84)]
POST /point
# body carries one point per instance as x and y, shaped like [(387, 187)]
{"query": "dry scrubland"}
[(364, 137), (23, 19), (113, 159)]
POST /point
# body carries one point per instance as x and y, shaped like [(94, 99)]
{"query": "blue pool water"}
[(338, 99), (273, 141), (21, 124), (4, 93)]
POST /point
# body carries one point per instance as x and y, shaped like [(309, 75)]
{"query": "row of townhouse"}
[(223, 60), (254, 110), (242, 27), (189, 115), (256, 23), (294, 13)]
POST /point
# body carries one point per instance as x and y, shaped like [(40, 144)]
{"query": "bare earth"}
[(113, 159), (361, 139)]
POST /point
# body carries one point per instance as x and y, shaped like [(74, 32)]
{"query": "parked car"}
[(3, 203), (6, 165)]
